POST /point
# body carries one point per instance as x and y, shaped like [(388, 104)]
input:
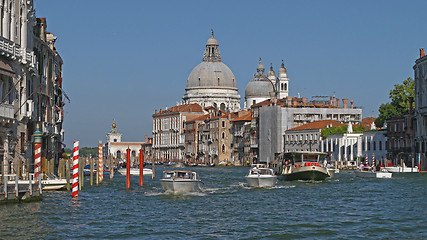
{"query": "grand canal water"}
[(344, 207)]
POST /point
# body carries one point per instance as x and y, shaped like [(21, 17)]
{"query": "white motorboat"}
[(49, 182), (135, 171), (401, 169), (180, 181), (368, 172), (261, 177)]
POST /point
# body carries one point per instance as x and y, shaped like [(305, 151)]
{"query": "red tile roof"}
[(193, 107), (247, 117), (317, 125)]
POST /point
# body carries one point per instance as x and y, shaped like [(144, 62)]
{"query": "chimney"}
[(156, 111), (304, 100), (334, 103), (351, 102), (146, 137), (330, 101), (344, 102), (338, 102), (422, 54)]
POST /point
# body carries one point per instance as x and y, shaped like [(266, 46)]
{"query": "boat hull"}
[(261, 180), (401, 169), (369, 174), (309, 173), (135, 171), (179, 186)]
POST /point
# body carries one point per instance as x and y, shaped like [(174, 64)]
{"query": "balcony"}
[(14, 51), (6, 111)]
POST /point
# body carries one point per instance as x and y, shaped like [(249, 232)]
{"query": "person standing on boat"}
[(325, 163)]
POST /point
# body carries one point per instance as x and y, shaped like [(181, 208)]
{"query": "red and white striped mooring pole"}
[(101, 163), (75, 189), (37, 156)]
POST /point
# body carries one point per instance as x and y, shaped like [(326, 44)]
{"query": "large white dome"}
[(212, 75), (212, 83)]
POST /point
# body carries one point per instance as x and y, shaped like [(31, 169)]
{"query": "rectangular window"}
[(375, 146), (380, 145), (369, 146)]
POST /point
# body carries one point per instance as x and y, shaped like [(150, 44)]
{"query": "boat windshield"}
[(265, 171), (168, 175), (185, 175)]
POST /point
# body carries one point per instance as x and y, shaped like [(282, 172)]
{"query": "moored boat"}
[(368, 172), (135, 171), (401, 169), (180, 181), (303, 166), (261, 177)]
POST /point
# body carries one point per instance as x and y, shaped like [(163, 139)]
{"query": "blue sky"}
[(124, 59)]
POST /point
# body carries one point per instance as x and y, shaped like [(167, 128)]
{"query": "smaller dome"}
[(114, 125), (259, 88)]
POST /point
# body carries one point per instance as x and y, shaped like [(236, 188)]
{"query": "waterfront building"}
[(114, 147), (212, 83), (263, 87), (420, 74), (347, 150), (401, 138), (192, 138), (307, 137), (240, 133), (276, 116), (168, 131), (30, 87)]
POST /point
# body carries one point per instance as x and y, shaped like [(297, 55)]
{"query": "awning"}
[(6, 68)]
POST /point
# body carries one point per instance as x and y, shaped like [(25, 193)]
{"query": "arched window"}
[(119, 154), (281, 86), (223, 148), (223, 135), (286, 87), (222, 107)]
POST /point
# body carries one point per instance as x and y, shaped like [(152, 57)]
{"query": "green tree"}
[(399, 104)]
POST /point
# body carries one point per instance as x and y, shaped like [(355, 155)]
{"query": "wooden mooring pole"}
[(141, 167), (91, 171)]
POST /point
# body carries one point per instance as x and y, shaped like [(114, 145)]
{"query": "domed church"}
[(212, 83), (263, 87)]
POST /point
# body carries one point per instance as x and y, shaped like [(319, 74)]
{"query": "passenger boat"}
[(302, 166), (261, 177), (180, 181), (368, 172), (135, 171)]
